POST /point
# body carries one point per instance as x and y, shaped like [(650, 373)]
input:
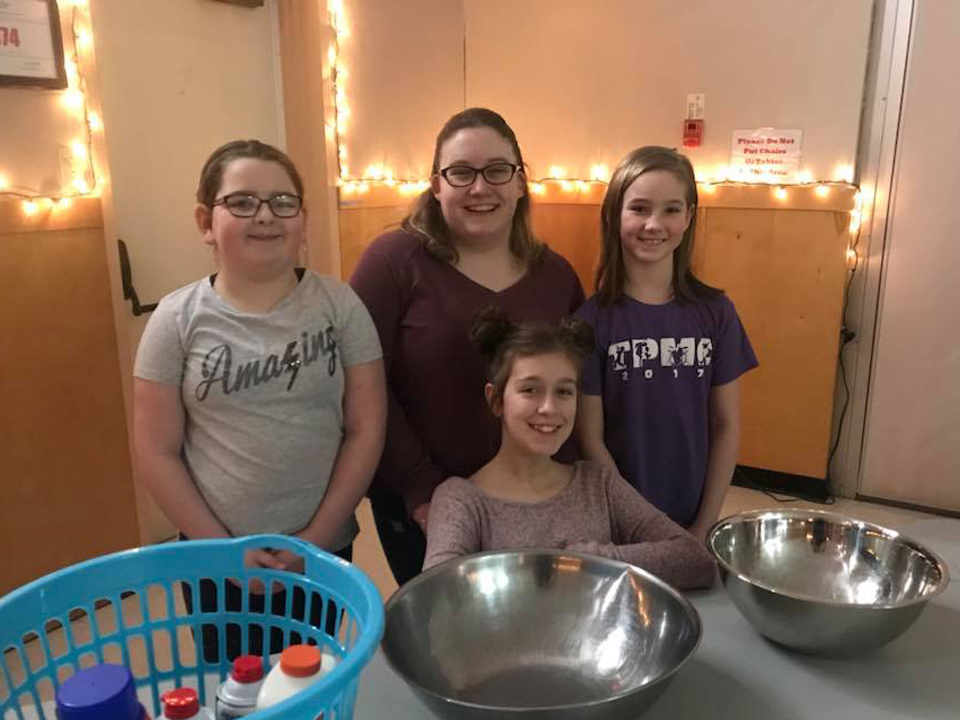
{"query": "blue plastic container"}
[(123, 608), (102, 692)]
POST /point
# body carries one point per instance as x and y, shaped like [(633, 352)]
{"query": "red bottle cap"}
[(247, 669), (300, 660), (180, 703)]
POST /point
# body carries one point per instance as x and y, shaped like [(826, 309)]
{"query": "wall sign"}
[(766, 152), (31, 47)]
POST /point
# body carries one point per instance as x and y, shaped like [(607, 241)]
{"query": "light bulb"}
[(599, 172), (72, 99), (843, 173), (84, 39)]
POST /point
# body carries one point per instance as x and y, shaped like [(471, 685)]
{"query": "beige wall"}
[(404, 64), (35, 127), (176, 80), (911, 453), (583, 82)]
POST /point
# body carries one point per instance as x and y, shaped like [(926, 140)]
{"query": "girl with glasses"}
[(523, 498), (466, 244), (259, 394), (661, 396)]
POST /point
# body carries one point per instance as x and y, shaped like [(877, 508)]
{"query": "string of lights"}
[(723, 176), (382, 175), (83, 175)]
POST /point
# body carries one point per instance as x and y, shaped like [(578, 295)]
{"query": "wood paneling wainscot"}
[(781, 260), (67, 488)]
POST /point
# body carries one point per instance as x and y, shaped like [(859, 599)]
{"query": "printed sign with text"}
[(766, 154)]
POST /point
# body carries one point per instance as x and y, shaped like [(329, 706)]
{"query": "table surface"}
[(736, 673)]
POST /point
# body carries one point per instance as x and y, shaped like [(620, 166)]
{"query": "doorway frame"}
[(884, 88)]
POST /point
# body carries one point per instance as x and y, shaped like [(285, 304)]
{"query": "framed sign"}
[(31, 47)]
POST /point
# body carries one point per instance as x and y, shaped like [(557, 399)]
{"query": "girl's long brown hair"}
[(426, 217), (611, 273)]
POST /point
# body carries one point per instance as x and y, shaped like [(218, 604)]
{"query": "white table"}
[(735, 673)]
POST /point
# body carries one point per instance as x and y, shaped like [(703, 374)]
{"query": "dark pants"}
[(404, 543), (232, 602)]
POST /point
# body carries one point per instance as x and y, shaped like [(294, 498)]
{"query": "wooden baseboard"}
[(799, 486)]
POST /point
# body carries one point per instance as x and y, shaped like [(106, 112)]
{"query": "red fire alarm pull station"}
[(692, 132), (693, 123)]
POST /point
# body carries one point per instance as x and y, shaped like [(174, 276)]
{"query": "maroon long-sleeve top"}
[(438, 422)]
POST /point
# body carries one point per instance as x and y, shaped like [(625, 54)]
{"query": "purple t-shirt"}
[(438, 422), (654, 366)]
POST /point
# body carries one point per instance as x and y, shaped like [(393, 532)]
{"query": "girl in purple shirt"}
[(661, 393)]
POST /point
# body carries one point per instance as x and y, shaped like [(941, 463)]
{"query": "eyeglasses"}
[(244, 205), (498, 173)]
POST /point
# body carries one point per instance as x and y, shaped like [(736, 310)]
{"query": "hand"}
[(420, 515), (259, 558), (291, 563)]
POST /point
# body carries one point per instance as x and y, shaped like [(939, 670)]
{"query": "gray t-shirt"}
[(263, 396)]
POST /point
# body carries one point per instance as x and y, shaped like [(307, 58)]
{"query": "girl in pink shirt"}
[(523, 498)]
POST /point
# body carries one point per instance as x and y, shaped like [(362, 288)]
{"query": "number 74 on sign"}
[(9, 36)]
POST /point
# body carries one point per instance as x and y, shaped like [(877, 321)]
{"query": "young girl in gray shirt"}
[(259, 395)]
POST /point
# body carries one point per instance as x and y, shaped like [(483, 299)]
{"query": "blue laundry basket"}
[(123, 608)]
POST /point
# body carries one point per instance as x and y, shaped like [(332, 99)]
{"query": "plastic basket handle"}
[(308, 551)]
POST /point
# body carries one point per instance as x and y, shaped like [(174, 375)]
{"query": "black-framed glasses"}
[(245, 205), (498, 173)]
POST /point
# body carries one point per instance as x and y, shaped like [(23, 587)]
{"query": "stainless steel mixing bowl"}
[(538, 634), (822, 583)]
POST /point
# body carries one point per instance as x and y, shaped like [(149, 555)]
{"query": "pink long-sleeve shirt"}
[(596, 513)]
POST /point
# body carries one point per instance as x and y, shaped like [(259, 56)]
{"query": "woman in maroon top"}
[(466, 244)]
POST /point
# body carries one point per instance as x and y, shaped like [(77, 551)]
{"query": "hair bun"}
[(490, 328), (577, 334)]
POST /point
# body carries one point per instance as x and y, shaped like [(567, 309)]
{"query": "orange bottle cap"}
[(300, 660)]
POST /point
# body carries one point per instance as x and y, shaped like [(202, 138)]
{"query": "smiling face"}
[(258, 247), (480, 212), (539, 403), (653, 218)]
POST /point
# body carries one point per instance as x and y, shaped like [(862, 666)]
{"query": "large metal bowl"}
[(822, 583), (538, 634)]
